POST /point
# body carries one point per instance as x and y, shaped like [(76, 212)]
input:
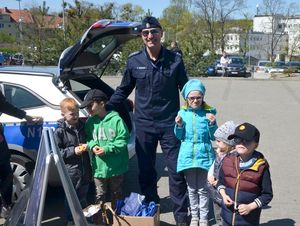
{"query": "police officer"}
[(6, 174), (157, 74)]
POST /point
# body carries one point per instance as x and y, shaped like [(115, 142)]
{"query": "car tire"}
[(22, 168)]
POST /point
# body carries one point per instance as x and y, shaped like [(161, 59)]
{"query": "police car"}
[(39, 90)]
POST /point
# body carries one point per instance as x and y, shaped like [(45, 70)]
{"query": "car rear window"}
[(264, 63)]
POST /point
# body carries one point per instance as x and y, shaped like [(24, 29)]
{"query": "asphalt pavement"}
[(273, 105)]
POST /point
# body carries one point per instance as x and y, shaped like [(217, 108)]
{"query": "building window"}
[(1, 25)]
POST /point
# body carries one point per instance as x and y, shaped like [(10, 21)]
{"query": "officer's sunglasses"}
[(155, 31)]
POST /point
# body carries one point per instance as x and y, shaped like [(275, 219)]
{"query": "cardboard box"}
[(137, 221)]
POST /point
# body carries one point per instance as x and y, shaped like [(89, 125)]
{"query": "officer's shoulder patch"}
[(134, 53)]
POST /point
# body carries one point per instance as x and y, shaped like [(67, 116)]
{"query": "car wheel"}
[(22, 168)]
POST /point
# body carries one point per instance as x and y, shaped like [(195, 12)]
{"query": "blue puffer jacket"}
[(196, 150)]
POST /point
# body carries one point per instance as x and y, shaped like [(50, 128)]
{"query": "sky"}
[(155, 6)]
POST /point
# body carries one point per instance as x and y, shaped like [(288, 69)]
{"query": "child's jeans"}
[(196, 179), (114, 185)]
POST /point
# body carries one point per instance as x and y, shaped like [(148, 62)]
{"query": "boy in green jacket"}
[(107, 138)]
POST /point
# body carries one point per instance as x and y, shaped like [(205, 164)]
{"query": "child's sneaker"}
[(70, 223), (5, 211), (203, 222), (194, 221)]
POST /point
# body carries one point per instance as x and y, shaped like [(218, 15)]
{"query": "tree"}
[(215, 14), (39, 43), (175, 17), (129, 12)]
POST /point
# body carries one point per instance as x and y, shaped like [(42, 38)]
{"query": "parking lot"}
[(273, 105)]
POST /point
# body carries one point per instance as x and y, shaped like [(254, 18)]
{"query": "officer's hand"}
[(33, 119)]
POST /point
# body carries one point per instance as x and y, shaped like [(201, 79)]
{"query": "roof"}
[(26, 16), (15, 15), (30, 69)]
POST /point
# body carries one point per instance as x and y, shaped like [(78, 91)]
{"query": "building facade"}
[(13, 21)]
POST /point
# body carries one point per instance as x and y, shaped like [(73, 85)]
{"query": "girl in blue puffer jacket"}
[(195, 126)]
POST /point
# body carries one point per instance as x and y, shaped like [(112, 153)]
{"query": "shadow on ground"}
[(280, 222)]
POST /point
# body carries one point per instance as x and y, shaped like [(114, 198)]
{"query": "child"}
[(107, 138), (224, 146), (195, 126), (70, 138), (245, 182)]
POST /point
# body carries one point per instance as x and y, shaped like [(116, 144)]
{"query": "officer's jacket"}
[(7, 108), (156, 86)]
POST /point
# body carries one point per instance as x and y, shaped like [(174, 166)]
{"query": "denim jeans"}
[(196, 179)]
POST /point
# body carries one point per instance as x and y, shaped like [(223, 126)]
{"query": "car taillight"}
[(101, 23)]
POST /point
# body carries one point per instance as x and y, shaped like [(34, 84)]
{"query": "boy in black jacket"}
[(70, 138)]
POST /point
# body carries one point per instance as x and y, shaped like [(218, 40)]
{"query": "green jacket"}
[(111, 134)]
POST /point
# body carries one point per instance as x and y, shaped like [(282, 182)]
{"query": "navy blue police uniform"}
[(6, 174), (157, 85)]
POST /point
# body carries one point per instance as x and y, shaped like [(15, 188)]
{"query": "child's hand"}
[(212, 180), (98, 151), (83, 147), (211, 118), (80, 148), (178, 120), (245, 209), (227, 200)]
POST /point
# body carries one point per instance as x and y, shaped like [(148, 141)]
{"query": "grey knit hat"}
[(224, 131)]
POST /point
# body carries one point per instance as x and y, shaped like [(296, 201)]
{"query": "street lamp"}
[(64, 29), (249, 55), (20, 20)]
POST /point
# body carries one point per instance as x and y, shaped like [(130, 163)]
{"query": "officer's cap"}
[(150, 22)]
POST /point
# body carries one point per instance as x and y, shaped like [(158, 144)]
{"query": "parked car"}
[(263, 66), (39, 90), (2, 59), (7, 58), (212, 69), (277, 67), (17, 59), (293, 66), (236, 67)]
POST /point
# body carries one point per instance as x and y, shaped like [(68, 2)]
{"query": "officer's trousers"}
[(6, 174), (146, 145)]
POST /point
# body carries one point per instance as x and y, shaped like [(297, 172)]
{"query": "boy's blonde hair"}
[(68, 104)]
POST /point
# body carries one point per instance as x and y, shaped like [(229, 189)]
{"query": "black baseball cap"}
[(246, 131), (93, 95), (150, 22)]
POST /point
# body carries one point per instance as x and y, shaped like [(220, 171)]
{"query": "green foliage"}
[(117, 64), (6, 38)]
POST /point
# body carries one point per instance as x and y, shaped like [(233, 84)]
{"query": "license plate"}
[(234, 73)]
